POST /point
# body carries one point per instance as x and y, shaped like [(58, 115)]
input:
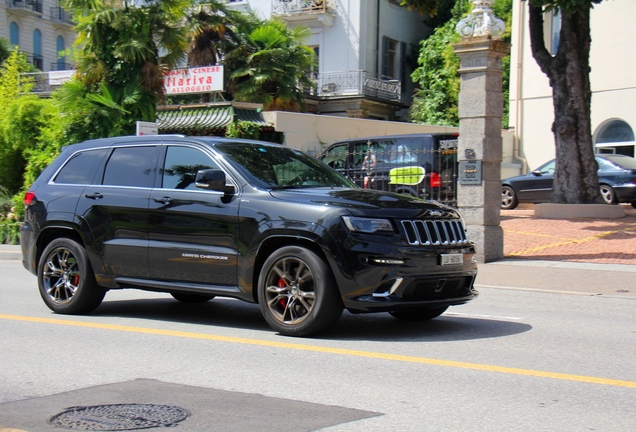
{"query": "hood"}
[(365, 202)]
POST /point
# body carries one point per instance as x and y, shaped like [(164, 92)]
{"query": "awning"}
[(205, 120)]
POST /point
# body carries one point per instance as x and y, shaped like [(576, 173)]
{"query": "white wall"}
[(613, 78)]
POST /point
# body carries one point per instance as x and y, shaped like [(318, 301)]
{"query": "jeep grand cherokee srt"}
[(203, 217)]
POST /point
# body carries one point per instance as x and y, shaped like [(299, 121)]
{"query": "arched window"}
[(615, 136), (14, 34), (60, 46), (38, 60)]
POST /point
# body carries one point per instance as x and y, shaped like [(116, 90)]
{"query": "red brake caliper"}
[(283, 300), (76, 279)]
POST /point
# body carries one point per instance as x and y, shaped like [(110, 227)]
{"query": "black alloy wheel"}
[(297, 292), (66, 280)]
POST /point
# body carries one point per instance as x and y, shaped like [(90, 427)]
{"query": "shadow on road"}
[(369, 327)]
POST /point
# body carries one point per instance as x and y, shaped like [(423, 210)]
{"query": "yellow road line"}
[(330, 350)]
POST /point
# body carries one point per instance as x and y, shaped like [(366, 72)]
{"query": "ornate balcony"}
[(354, 84), (307, 12), (25, 7), (60, 16)]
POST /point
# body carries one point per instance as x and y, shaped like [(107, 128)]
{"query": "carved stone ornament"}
[(481, 22)]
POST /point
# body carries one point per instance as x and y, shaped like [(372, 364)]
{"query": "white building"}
[(366, 51), (41, 29), (613, 83)]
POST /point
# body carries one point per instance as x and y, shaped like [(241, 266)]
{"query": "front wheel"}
[(66, 280), (297, 293), (419, 314)]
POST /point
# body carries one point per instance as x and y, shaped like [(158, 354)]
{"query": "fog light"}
[(386, 261)]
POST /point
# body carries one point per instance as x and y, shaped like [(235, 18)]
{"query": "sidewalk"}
[(582, 256)]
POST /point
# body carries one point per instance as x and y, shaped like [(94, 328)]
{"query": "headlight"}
[(367, 225)]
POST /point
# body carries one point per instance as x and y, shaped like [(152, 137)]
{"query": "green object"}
[(410, 175)]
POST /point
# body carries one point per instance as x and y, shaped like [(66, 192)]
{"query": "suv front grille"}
[(435, 232)]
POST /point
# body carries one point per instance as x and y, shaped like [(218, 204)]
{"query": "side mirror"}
[(213, 180), (537, 173)]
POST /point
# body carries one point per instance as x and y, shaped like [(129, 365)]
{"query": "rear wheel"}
[(191, 298), (608, 194), (66, 280), (508, 198), (419, 314), (297, 292)]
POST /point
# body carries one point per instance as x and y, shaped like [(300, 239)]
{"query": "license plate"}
[(452, 259)]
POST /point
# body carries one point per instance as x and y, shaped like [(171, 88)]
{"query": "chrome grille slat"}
[(434, 232)]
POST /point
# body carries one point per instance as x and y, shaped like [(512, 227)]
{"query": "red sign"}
[(204, 79)]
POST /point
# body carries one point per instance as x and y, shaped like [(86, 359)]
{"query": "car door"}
[(537, 185), (114, 210), (193, 232)]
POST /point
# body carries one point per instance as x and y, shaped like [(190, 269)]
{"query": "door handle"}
[(94, 196), (164, 200)]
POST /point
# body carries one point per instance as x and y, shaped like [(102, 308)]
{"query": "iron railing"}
[(297, 7), (354, 83), (29, 5)]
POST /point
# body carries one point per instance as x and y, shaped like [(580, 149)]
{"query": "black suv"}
[(203, 217)]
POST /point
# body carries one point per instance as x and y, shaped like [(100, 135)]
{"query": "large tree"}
[(576, 178)]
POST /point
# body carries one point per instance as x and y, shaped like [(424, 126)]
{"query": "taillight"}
[(435, 180), (29, 198)]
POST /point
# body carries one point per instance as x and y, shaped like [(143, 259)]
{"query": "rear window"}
[(81, 167)]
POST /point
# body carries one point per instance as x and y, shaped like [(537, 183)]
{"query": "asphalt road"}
[(512, 360)]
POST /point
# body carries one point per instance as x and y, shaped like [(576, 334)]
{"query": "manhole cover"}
[(119, 417)]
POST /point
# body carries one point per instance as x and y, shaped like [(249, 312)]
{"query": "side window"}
[(81, 168), (181, 166), (336, 156), (131, 166)]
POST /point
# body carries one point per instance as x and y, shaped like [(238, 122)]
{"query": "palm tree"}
[(275, 65), (126, 46)]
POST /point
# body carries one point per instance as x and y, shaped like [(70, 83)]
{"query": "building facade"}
[(41, 29), (366, 52), (612, 76)]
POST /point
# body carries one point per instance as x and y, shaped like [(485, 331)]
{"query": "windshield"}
[(274, 167)]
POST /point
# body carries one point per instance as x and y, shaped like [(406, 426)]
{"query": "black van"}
[(421, 165)]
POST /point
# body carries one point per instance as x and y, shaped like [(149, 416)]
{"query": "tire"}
[(191, 298), (66, 280), (634, 204), (418, 314), (608, 194), (508, 198), (297, 293)]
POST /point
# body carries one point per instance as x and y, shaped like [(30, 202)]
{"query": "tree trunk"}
[(576, 175)]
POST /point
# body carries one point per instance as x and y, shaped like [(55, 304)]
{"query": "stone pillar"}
[(480, 142)]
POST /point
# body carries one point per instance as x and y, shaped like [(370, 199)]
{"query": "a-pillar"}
[(480, 142)]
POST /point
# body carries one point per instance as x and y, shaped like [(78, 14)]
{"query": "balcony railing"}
[(59, 15), (45, 82), (295, 7), (61, 66), (36, 60), (354, 83), (27, 5)]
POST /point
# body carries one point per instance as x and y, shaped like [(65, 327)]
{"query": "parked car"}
[(616, 175), (420, 165), (202, 217)]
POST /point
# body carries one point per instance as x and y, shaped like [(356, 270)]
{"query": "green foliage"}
[(275, 65), (243, 129), (9, 220), (568, 7), (18, 120), (436, 100)]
